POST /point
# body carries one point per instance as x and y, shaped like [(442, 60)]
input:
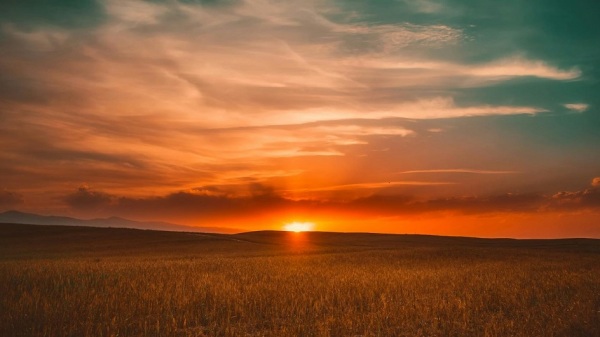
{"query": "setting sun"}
[(299, 168), (297, 226)]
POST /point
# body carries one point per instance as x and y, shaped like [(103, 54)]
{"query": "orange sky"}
[(414, 117)]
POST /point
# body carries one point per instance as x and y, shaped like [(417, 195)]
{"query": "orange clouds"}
[(187, 110), (213, 202)]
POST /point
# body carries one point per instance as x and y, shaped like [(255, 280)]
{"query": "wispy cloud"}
[(439, 72), (577, 107), (157, 97), (459, 171), (519, 66), (312, 193), (258, 62)]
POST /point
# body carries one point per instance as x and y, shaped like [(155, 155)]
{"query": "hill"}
[(17, 217), (52, 240), (85, 281)]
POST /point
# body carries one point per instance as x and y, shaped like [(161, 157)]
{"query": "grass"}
[(61, 281)]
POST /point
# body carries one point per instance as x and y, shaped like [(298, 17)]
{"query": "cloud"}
[(437, 72), (202, 203), (518, 66), (239, 190), (264, 62), (399, 204), (588, 198), (10, 199), (389, 39), (425, 6), (220, 203), (85, 199), (135, 12), (156, 97), (577, 107), (351, 190), (429, 108), (38, 40), (459, 171)]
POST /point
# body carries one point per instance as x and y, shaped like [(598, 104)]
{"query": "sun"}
[(298, 227)]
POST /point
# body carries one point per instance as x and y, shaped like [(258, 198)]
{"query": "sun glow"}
[(297, 226)]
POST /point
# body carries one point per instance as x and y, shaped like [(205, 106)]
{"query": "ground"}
[(75, 281)]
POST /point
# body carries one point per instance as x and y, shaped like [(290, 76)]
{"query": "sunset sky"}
[(457, 117)]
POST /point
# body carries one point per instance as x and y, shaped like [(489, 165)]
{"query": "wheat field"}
[(111, 282)]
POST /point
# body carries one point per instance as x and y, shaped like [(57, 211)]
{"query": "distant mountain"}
[(115, 222)]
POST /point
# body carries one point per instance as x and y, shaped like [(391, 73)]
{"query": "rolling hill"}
[(17, 217)]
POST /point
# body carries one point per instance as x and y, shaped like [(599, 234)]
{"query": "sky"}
[(457, 117)]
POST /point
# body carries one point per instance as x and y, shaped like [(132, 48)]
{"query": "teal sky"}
[(211, 111)]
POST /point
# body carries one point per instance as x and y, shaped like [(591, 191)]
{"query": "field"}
[(71, 281)]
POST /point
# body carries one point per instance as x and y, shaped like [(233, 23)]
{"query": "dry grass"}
[(274, 285)]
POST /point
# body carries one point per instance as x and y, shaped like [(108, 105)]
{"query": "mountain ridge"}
[(18, 217)]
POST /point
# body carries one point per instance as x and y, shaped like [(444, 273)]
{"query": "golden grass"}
[(273, 290)]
